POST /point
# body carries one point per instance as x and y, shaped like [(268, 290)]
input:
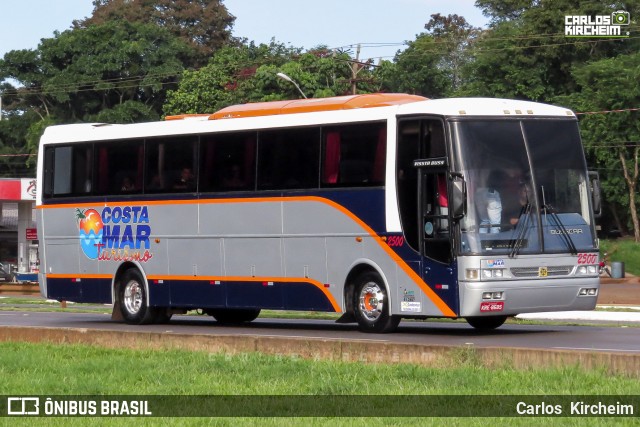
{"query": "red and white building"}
[(18, 236)]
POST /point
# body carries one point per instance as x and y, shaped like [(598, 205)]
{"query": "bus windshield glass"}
[(527, 187)]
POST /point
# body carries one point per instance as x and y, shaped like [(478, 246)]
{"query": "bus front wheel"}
[(371, 305), (486, 323), (132, 298)]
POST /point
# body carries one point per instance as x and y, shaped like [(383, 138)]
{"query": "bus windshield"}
[(527, 187)]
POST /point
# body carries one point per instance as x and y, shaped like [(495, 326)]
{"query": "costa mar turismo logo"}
[(119, 233)]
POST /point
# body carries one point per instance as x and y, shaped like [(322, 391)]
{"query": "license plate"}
[(491, 306)]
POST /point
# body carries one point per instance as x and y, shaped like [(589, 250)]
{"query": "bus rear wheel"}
[(486, 323), (132, 298), (371, 305), (234, 315)]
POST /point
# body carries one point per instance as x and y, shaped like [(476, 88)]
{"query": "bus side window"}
[(171, 165), (354, 155), (117, 163), (288, 159), (68, 170), (228, 162)]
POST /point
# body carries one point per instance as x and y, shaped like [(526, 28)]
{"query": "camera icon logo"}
[(620, 17)]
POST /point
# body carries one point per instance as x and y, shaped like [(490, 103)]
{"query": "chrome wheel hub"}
[(133, 297), (371, 301)]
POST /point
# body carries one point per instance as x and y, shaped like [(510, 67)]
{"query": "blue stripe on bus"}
[(97, 291), (201, 294)]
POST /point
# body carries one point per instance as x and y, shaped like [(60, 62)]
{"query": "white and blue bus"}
[(378, 207)]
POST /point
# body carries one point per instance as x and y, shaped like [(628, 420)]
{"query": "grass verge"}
[(624, 250), (47, 369)]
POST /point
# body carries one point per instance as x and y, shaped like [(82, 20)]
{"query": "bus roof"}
[(342, 109), (307, 105)]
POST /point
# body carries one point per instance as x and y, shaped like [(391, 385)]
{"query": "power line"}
[(623, 110), (480, 38), (136, 81)]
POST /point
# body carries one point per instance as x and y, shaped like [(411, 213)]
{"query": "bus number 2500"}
[(395, 241), (587, 259)]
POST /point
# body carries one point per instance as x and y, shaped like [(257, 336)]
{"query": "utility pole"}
[(355, 69)]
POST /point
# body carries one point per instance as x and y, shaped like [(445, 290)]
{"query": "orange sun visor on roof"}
[(257, 109), (314, 104)]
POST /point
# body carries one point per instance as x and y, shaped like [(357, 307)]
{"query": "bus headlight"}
[(493, 273), (584, 270), (472, 274)]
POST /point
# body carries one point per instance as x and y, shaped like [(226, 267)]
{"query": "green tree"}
[(319, 73), (525, 54), (249, 74), (225, 80), (83, 74), (613, 139), (205, 25), (14, 161), (433, 64)]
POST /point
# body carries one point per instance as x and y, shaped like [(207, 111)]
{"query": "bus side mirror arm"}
[(458, 196)]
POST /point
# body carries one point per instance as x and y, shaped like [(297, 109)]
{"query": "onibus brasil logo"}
[(115, 234)]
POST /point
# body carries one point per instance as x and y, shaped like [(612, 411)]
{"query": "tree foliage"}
[(432, 65), (249, 74), (525, 54), (225, 80), (82, 74), (205, 25), (612, 140)]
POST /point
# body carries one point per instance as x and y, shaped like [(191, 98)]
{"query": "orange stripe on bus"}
[(442, 306)]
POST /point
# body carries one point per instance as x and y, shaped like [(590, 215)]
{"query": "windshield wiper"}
[(563, 231), (523, 230)]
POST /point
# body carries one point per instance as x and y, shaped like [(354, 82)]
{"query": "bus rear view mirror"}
[(458, 196)]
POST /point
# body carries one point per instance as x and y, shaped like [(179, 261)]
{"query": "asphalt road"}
[(594, 338)]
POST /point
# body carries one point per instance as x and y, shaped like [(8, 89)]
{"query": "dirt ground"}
[(620, 291)]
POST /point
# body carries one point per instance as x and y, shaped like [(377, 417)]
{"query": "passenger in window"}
[(156, 183), (127, 185), (515, 196), (233, 178), (186, 180), (489, 203)]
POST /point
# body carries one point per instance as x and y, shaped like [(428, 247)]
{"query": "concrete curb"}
[(593, 316), (367, 351)]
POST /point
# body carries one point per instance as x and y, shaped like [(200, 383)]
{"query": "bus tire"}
[(234, 315), (371, 305), (486, 323), (132, 298)]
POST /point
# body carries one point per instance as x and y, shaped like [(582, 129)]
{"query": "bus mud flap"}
[(347, 318)]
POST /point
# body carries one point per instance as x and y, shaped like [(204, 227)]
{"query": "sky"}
[(296, 23)]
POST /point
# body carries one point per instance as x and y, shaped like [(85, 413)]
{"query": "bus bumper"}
[(506, 298)]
